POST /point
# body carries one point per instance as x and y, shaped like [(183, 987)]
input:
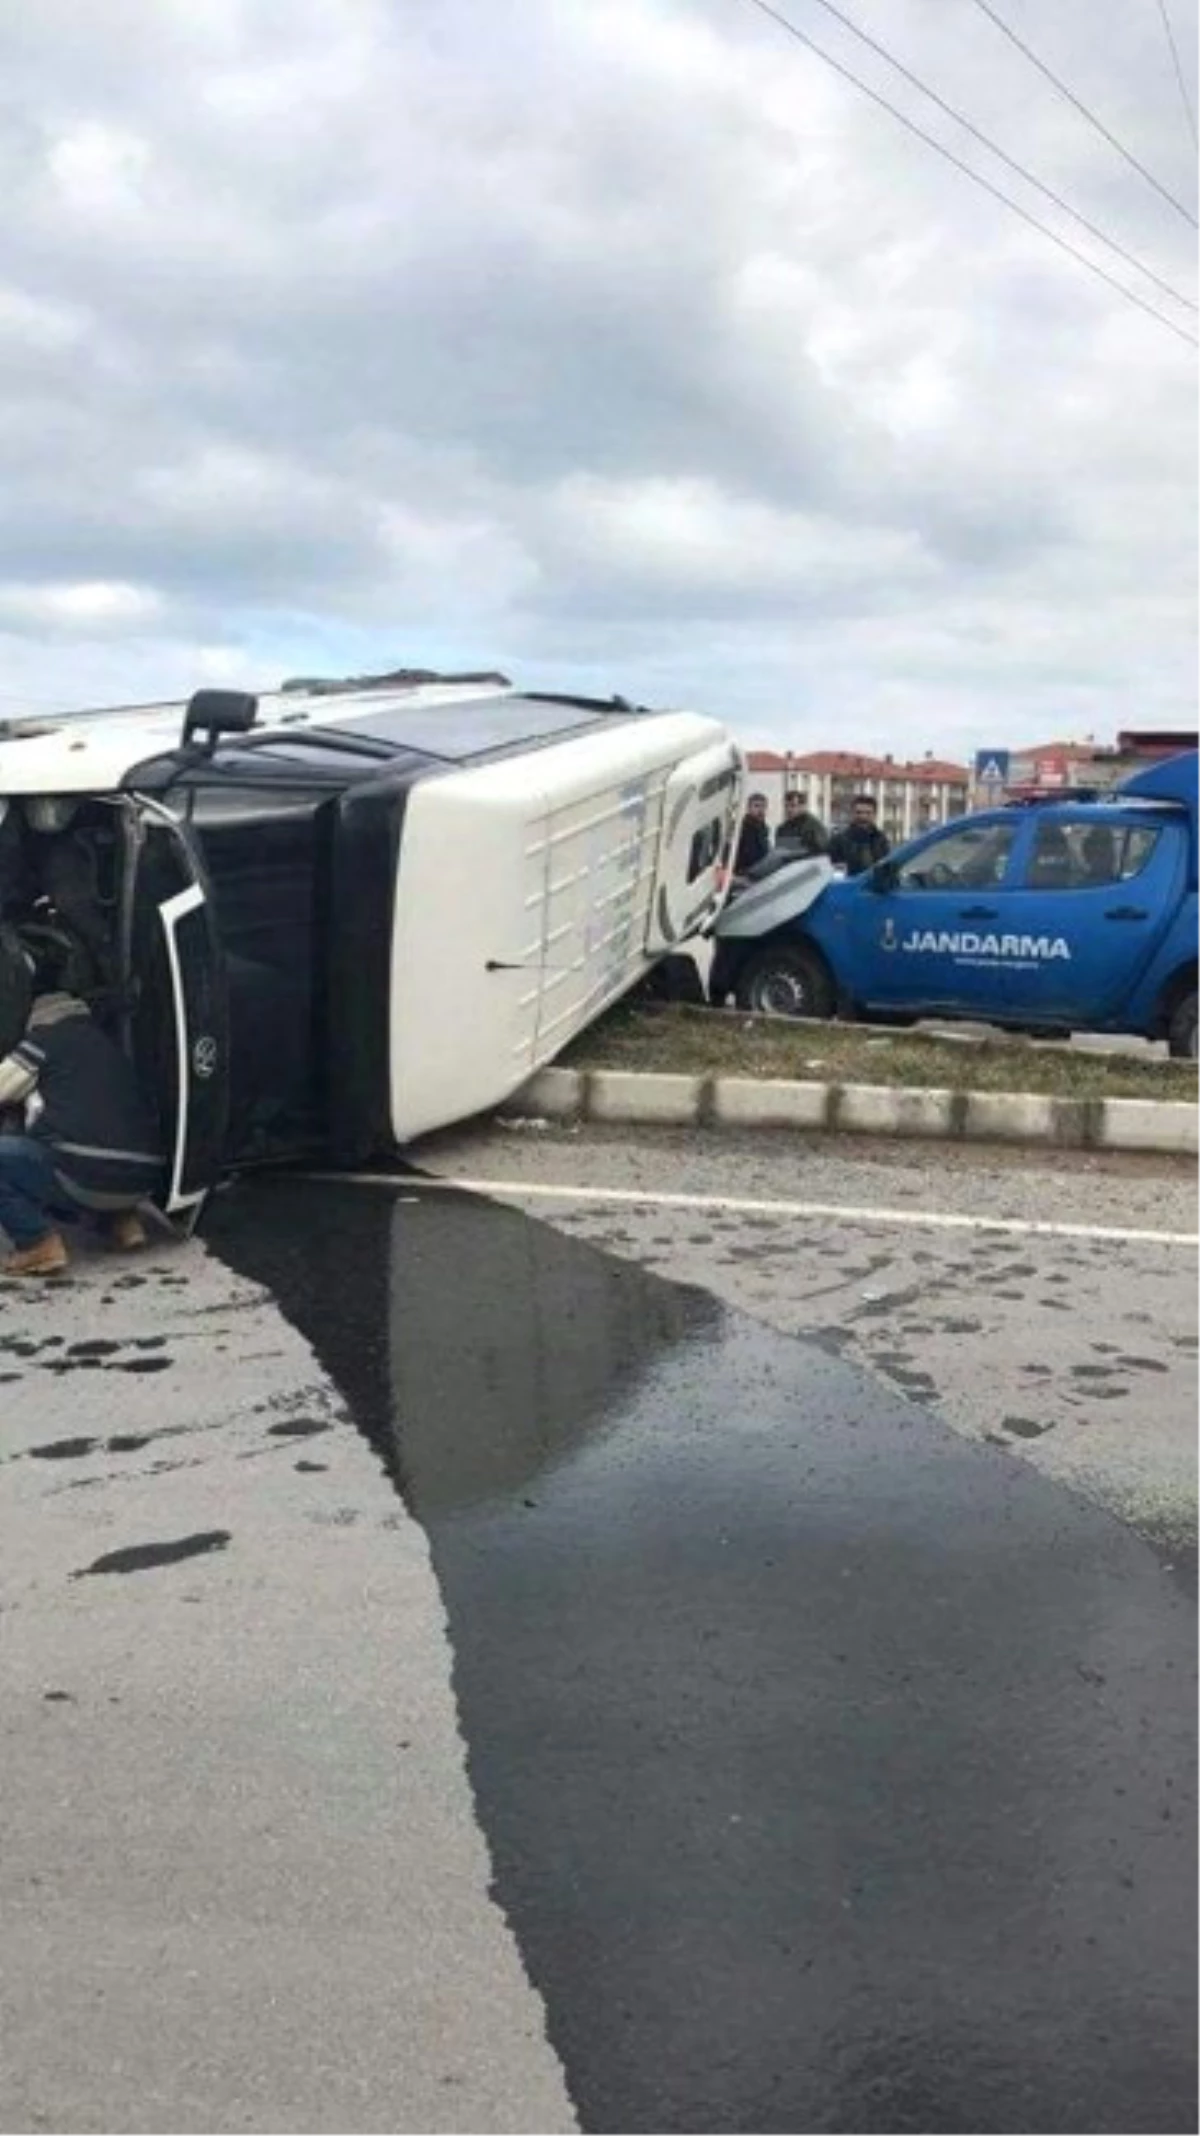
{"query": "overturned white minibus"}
[(326, 921)]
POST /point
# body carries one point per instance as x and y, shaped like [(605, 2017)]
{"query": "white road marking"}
[(737, 1205)]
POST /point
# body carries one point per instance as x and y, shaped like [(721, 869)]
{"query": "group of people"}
[(855, 848)]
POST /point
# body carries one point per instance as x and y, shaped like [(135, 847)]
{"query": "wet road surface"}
[(1076, 1354), (242, 1881), (836, 1772)]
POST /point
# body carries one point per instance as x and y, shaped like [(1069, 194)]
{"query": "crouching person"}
[(86, 1143)]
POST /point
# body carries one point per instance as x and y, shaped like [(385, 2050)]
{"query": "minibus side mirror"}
[(216, 712)]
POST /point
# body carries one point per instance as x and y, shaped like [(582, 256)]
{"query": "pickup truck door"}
[(177, 1021), (921, 931), (1089, 904)]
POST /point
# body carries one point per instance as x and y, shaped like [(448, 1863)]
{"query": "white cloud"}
[(99, 172), (613, 341), (84, 607), (685, 545)]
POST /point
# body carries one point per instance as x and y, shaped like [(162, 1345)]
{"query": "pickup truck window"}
[(1088, 855), (973, 858)]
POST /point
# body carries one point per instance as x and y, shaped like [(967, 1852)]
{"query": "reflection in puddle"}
[(476, 1349)]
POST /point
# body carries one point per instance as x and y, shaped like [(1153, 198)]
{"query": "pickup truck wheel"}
[(16, 992), (1181, 1035), (783, 980)]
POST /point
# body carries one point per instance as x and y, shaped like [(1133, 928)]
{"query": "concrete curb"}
[(716, 1101)]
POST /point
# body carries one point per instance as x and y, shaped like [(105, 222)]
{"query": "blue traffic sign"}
[(991, 766)]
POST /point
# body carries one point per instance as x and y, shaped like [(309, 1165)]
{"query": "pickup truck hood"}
[(781, 896)]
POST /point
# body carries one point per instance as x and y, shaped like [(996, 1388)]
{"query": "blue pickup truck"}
[(1080, 915)]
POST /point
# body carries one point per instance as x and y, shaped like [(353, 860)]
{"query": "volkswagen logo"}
[(204, 1057)]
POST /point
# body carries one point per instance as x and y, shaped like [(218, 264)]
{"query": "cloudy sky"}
[(620, 343)]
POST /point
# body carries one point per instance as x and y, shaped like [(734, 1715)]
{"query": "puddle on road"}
[(808, 1739), (146, 1557), (92, 1355)]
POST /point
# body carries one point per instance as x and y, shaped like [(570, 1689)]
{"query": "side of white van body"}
[(534, 892)]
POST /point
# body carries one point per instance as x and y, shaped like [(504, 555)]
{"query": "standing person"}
[(800, 829), (88, 1143), (754, 838), (862, 843)]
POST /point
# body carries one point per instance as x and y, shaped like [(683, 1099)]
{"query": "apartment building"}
[(911, 797)]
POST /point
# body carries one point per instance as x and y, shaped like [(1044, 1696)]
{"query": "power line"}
[(1090, 116), (959, 117), (1064, 245), (1187, 102)]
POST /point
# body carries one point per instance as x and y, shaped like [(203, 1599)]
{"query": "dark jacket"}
[(805, 831), (858, 847), (754, 844), (82, 1101)]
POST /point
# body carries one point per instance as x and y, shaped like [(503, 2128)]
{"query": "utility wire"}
[(1187, 102), (1064, 245), (952, 112), (1090, 116)]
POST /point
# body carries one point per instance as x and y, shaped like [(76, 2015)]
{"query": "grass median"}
[(656, 1040)]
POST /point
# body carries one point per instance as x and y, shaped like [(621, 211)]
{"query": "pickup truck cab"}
[(1080, 915)]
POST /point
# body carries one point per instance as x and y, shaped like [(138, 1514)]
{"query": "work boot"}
[(46, 1257), (126, 1231)]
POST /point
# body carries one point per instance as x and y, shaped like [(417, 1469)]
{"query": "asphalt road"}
[(458, 1679), (242, 1883)]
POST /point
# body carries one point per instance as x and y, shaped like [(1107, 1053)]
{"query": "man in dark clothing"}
[(754, 838), (88, 1142), (800, 829), (862, 843)]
